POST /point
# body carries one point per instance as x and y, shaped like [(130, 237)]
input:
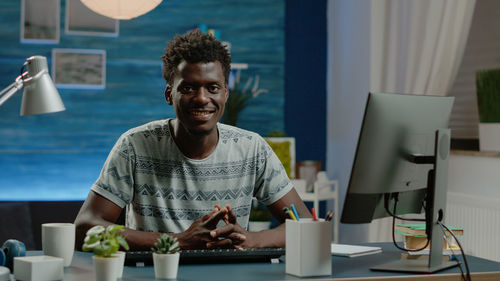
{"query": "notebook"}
[(352, 251)]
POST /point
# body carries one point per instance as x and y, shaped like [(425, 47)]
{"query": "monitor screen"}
[(395, 128)]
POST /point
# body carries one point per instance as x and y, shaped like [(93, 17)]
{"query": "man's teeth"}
[(200, 113)]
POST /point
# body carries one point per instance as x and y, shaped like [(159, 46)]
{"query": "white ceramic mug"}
[(58, 240)]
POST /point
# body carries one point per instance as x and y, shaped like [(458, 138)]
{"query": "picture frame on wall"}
[(284, 148), (79, 68), (81, 20), (40, 21)]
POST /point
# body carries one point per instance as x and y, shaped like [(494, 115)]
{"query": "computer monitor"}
[(402, 155)]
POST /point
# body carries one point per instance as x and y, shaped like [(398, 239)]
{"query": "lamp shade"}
[(121, 9), (40, 95)]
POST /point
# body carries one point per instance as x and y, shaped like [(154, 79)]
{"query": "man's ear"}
[(227, 93), (168, 95)]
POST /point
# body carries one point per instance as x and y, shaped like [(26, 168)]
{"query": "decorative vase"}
[(166, 265), (489, 136), (105, 268)]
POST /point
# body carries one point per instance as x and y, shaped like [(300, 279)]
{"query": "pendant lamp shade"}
[(121, 9)]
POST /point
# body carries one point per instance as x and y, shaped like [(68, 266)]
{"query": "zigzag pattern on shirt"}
[(225, 135), (199, 195), (114, 173), (113, 191), (158, 132), (175, 169), (282, 185), (181, 214)]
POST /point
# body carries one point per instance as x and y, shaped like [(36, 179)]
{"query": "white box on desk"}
[(308, 247), (38, 268)]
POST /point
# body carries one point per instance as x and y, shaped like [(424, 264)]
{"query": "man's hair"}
[(194, 47)]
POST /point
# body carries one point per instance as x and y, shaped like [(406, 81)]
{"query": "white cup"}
[(58, 240), (308, 247)]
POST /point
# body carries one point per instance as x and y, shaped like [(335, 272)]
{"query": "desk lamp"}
[(40, 95)]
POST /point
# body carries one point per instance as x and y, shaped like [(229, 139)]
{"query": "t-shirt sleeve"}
[(272, 181), (116, 181)]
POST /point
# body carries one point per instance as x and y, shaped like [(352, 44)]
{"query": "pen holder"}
[(308, 247)]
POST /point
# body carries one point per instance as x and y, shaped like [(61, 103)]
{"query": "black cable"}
[(394, 226), (461, 249), (386, 205)]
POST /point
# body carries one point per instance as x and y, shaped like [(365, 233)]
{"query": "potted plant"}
[(166, 257), (105, 242), (260, 218), (488, 102), (240, 97)]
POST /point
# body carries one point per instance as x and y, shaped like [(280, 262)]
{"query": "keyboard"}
[(145, 258)]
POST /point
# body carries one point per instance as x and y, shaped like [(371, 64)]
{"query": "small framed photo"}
[(40, 21), (79, 68), (284, 148), (81, 20)]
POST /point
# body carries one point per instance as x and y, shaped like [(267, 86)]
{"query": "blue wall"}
[(305, 77), (58, 156)]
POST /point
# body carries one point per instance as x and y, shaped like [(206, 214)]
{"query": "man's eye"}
[(187, 89), (213, 88)]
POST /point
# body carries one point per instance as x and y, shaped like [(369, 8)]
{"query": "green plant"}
[(105, 241), (488, 95), (166, 244), (259, 213), (239, 98)]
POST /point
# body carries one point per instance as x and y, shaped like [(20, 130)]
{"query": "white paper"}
[(353, 250)]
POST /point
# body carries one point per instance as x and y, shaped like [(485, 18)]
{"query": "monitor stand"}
[(434, 212)]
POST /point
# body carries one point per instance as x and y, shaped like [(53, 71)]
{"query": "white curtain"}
[(416, 47)]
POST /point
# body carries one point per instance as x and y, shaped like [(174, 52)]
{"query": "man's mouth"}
[(202, 114)]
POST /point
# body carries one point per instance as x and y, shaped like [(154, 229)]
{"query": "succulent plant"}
[(105, 241), (166, 244)]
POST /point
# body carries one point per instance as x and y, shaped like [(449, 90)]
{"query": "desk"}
[(352, 269)]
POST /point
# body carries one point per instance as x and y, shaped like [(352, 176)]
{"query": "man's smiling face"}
[(198, 95)]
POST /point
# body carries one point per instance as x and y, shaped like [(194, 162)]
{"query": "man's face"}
[(198, 95)]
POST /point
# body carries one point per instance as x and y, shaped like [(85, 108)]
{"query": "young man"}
[(191, 176)]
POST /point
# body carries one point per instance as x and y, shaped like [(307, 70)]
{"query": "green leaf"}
[(123, 242), (96, 230)]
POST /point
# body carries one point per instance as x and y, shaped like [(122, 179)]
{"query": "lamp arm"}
[(11, 90)]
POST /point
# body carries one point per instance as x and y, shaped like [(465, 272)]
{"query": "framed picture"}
[(79, 68), (284, 147), (81, 20), (40, 21)]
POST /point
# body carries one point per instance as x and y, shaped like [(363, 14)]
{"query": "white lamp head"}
[(121, 9), (40, 95)]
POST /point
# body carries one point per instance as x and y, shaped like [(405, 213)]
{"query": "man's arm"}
[(272, 238), (97, 210)]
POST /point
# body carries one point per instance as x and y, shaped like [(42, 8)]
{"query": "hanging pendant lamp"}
[(121, 9)]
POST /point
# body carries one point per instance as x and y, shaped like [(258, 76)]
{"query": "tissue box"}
[(38, 268)]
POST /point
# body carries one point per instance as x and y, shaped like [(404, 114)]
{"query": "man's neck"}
[(193, 146)]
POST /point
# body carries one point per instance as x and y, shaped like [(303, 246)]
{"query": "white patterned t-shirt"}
[(164, 191)]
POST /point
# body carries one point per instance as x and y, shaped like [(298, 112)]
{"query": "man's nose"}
[(202, 95)]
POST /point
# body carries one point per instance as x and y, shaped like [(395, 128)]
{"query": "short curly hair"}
[(194, 47)]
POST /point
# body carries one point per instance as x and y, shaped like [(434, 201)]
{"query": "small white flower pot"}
[(489, 136), (166, 265), (105, 268), (120, 264)]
